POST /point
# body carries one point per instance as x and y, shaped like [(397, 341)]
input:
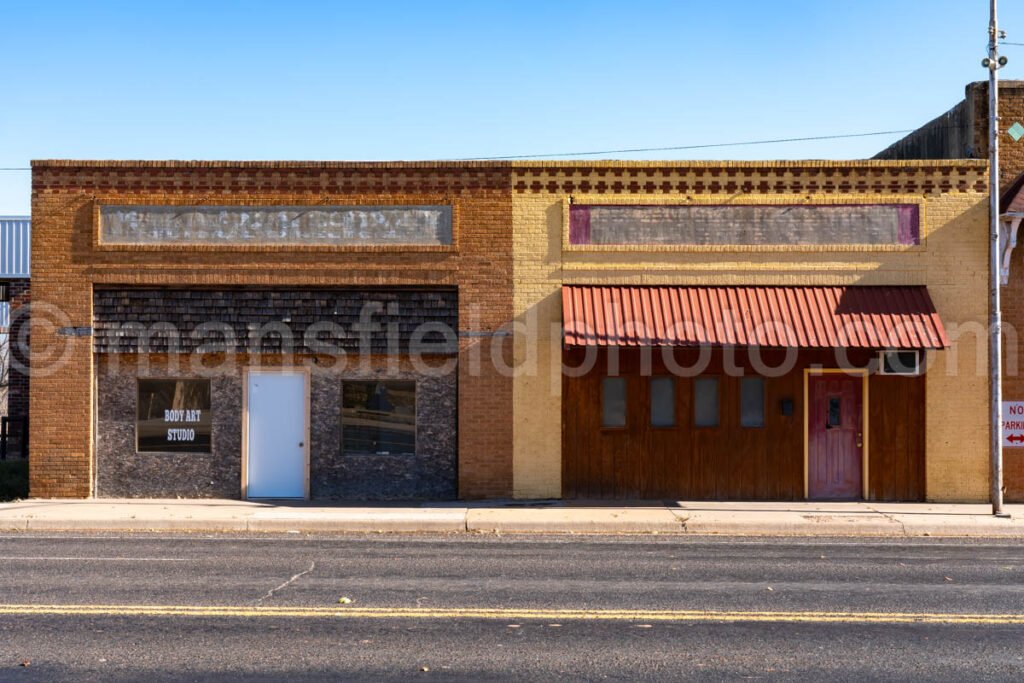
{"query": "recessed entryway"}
[(276, 434)]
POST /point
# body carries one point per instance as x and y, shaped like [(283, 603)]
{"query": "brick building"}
[(115, 242), (962, 133), (695, 257), (491, 329)]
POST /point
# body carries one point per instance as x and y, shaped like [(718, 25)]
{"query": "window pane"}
[(834, 417), (663, 402), (173, 416), (613, 402), (900, 362), (705, 402), (752, 402), (378, 418)]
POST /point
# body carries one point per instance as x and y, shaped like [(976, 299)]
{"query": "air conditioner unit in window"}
[(899, 363)]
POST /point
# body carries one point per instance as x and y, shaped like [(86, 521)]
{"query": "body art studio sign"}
[(174, 416)]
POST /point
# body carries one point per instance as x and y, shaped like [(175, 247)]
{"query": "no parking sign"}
[(1013, 424)]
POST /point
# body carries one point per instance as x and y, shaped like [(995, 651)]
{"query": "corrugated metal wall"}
[(15, 254)]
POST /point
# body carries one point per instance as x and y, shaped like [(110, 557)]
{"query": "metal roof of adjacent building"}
[(15, 247), (867, 317)]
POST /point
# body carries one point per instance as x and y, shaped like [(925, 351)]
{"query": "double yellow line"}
[(511, 614)]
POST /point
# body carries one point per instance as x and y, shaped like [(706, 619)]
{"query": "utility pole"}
[(993, 63)]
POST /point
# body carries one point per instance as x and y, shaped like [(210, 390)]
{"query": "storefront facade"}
[(270, 330), (661, 246), (628, 330)]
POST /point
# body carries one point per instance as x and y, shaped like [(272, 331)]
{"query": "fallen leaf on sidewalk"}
[(424, 668), (948, 578), (26, 663), (345, 601), (771, 589)]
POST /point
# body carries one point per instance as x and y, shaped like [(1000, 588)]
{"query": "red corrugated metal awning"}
[(872, 317)]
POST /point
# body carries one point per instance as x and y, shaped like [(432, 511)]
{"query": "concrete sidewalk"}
[(754, 519)]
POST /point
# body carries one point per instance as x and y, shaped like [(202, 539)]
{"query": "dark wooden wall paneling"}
[(728, 462), (896, 438)]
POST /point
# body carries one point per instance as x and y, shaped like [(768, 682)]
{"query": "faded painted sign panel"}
[(848, 224), (288, 225)]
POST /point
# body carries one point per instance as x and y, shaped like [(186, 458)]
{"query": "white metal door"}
[(276, 434)]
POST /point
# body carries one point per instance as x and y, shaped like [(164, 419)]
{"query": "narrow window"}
[(834, 417), (752, 402), (705, 402), (378, 418), (173, 416), (613, 402), (663, 402)]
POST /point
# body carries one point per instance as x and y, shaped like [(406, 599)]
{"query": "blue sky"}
[(438, 79)]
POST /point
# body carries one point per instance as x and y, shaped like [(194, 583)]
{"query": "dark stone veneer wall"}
[(429, 475)]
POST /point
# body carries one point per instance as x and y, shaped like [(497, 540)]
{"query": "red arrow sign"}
[(1015, 438)]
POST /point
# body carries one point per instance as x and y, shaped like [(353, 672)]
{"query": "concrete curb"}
[(149, 525), (704, 519), (539, 521)]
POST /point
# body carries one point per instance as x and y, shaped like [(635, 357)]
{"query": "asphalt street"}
[(297, 608)]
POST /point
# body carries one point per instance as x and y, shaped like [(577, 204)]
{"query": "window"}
[(752, 402), (173, 416), (834, 416), (663, 402), (613, 402), (900, 363), (378, 418), (705, 402)]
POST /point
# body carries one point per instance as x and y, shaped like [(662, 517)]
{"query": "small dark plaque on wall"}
[(174, 416)]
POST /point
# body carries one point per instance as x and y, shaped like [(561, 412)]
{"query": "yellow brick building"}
[(950, 261)]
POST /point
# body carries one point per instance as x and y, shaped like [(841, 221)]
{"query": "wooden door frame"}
[(307, 384), (851, 372)]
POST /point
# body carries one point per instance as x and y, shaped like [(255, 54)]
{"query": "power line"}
[(683, 147), (634, 150)]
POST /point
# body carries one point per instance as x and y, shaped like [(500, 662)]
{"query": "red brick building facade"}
[(71, 261)]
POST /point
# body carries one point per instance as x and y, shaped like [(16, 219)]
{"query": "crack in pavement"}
[(678, 514), (903, 527), (270, 593)]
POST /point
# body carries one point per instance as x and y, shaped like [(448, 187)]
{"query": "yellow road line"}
[(506, 614)]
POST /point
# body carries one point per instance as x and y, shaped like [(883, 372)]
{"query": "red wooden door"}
[(835, 437)]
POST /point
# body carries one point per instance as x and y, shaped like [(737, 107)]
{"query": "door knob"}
[(860, 440)]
